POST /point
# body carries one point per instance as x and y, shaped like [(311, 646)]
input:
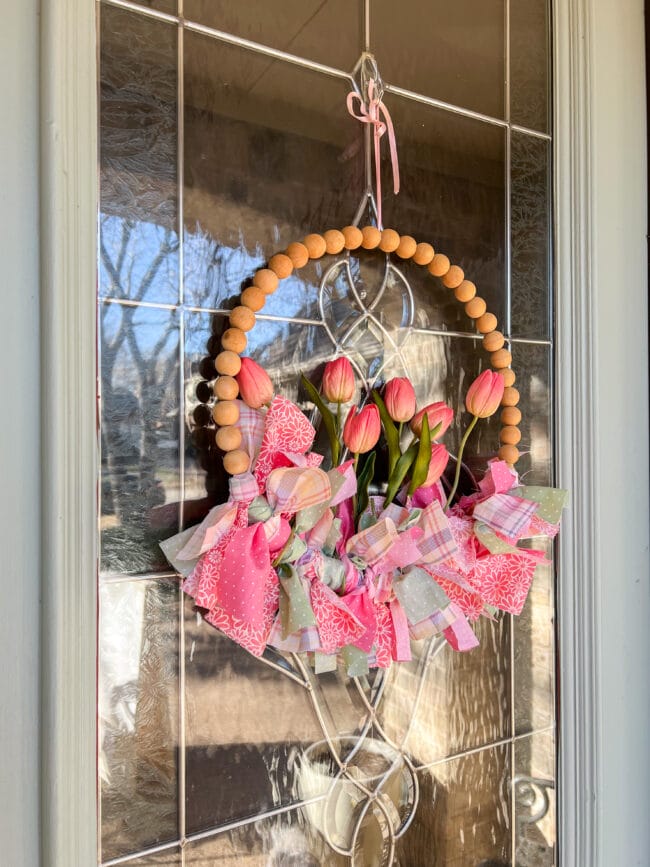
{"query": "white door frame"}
[(601, 200)]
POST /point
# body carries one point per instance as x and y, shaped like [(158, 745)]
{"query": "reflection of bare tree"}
[(139, 407)]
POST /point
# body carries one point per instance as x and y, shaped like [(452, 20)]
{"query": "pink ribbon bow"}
[(372, 113)]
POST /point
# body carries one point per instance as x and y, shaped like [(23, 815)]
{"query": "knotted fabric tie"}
[(376, 113)]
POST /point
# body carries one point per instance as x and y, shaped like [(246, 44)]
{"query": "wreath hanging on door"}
[(338, 563)]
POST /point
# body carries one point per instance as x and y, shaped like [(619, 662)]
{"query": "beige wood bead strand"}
[(332, 242)]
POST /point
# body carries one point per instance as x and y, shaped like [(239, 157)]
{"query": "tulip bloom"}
[(484, 394), (362, 429), (255, 385), (399, 398), (438, 414), (437, 465), (338, 381)]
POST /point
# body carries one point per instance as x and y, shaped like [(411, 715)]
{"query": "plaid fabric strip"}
[(374, 542), (291, 489), (505, 514), (243, 488), (438, 543), (251, 425)]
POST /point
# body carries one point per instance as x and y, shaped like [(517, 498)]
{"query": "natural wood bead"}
[(509, 376), (509, 454), (486, 323), (510, 415), (389, 241), (298, 254), (510, 435), (226, 388), (315, 245), (228, 438), (454, 277), (492, 341), (281, 265), (465, 292), (266, 280), (242, 317), (510, 397), (334, 241), (235, 462), (253, 298), (353, 237), (228, 363), (476, 307), (439, 265), (234, 339), (406, 247), (501, 358), (371, 237), (424, 253), (225, 412)]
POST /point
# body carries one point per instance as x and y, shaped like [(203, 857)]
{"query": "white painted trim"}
[(602, 388), (68, 380)]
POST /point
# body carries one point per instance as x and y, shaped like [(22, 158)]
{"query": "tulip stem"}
[(355, 500), (337, 461), (459, 460)]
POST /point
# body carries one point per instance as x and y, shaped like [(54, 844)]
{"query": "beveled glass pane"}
[(168, 858), (450, 51), (328, 32), (531, 237), (138, 196), (532, 363), (535, 800), (140, 488), (529, 64), (464, 813), (138, 714), (534, 650), (168, 6), (452, 174)]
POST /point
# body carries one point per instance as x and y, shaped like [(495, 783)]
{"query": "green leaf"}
[(390, 432), (363, 482), (400, 472), (327, 416), (422, 461)]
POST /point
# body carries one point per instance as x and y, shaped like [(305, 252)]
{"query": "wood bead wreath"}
[(314, 246)]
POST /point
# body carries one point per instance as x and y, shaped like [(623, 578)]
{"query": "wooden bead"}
[(235, 462), (353, 237), (389, 241), (253, 298), (510, 435), (454, 277), (406, 247), (486, 323), (315, 245), (510, 397), (226, 388), (228, 438), (501, 358), (424, 253), (334, 241), (266, 280), (476, 307), (234, 339), (439, 265), (492, 341), (228, 363), (371, 237), (509, 454), (509, 376), (242, 317), (281, 265), (298, 254), (465, 292), (225, 412), (510, 415)]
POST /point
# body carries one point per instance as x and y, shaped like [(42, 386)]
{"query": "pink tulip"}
[(338, 381), (438, 414), (362, 429), (484, 394), (255, 385), (399, 398), (437, 465)]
